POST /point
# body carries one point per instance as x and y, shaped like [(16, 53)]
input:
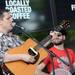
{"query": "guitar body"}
[(21, 67)]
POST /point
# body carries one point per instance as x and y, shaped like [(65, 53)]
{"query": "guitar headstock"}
[(63, 25)]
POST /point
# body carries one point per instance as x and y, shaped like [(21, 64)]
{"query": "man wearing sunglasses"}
[(66, 54)]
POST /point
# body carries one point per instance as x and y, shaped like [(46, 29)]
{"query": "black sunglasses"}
[(59, 34)]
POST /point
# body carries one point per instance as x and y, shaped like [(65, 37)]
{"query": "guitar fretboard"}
[(45, 42)]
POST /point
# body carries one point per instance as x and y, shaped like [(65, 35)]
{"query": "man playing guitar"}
[(66, 54), (8, 40)]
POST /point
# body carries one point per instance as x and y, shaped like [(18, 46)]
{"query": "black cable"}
[(1, 72)]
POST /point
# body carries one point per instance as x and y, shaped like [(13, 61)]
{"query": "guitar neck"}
[(45, 42)]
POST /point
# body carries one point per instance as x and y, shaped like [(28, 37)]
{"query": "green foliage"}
[(37, 35), (71, 33)]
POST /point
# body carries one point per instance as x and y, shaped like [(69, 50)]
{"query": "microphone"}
[(23, 30), (14, 24)]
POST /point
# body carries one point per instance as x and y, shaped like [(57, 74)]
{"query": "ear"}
[(63, 37), (0, 21)]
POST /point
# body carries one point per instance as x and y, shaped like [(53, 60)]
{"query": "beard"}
[(58, 43)]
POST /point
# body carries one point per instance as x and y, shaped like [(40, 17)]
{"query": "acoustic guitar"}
[(23, 68)]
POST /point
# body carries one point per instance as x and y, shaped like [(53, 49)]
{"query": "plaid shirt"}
[(6, 42)]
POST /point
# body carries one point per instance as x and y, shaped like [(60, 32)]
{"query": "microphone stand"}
[(51, 56)]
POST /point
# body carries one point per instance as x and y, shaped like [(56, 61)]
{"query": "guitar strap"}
[(70, 64)]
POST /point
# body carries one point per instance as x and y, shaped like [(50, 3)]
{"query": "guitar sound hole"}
[(32, 53)]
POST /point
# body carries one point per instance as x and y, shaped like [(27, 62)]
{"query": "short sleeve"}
[(17, 38), (2, 52), (72, 55)]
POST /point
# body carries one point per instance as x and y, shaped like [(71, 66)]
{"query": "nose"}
[(54, 36), (11, 19)]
